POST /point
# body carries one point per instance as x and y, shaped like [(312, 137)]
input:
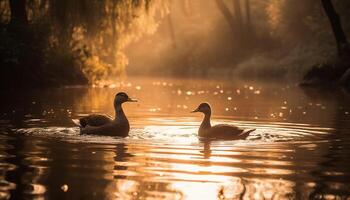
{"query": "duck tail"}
[(77, 122), (247, 132), (250, 130)]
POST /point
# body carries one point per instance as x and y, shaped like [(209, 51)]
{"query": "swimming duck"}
[(104, 125), (220, 131)]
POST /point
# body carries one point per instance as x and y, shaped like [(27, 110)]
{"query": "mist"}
[(279, 39), (98, 41), (174, 99)]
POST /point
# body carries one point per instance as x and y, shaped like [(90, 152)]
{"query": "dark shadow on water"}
[(89, 172), (333, 170), (121, 156), (50, 106), (206, 149), (16, 147)]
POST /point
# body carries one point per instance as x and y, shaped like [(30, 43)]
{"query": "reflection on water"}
[(300, 149)]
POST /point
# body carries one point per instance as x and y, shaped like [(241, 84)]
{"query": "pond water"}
[(300, 150)]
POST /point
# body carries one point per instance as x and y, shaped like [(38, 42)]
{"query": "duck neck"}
[(119, 113), (205, 123)]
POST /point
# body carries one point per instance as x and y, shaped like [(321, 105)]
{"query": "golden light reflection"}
[(179, 171), (201, 190), (163, 158), (36, 189)]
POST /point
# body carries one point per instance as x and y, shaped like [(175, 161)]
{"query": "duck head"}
[(122, 97), (203, 108)]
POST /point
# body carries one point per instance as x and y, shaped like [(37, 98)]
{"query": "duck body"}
[(220, 131), (97, 124), (95, 120), (224, 132), (113, 128)]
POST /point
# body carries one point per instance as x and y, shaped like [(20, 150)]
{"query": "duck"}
[(98, 124), (218, 132)]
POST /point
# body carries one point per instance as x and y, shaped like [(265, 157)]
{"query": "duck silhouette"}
[(98, 124), (221, 131)]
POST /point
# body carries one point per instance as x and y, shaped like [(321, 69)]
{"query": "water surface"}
[(300, 150)]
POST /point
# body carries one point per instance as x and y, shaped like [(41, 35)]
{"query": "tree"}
[(227, 14), (248, 16), (238, 13), (342, 42), (339, 71), (18, 12), (241, 27), (239, 20)]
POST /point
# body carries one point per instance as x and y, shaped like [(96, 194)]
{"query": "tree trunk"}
[(247, 13), (18, 12), (342, 43), (171, 30), (227, 14), (238, 13)]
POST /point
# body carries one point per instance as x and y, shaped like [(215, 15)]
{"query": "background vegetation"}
[(55, 42), (269, 39), (59, 42)]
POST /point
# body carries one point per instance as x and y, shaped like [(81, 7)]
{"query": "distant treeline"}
[(271, 39), (59, 42)]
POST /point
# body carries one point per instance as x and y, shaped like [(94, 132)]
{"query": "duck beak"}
[(132, 100), (194, 111)]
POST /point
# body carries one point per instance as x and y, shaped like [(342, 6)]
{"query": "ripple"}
[(177, 130), (5, 188), (166, 159), (35, 189)]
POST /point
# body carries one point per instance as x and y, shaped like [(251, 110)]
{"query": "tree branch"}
[(227, 14)]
